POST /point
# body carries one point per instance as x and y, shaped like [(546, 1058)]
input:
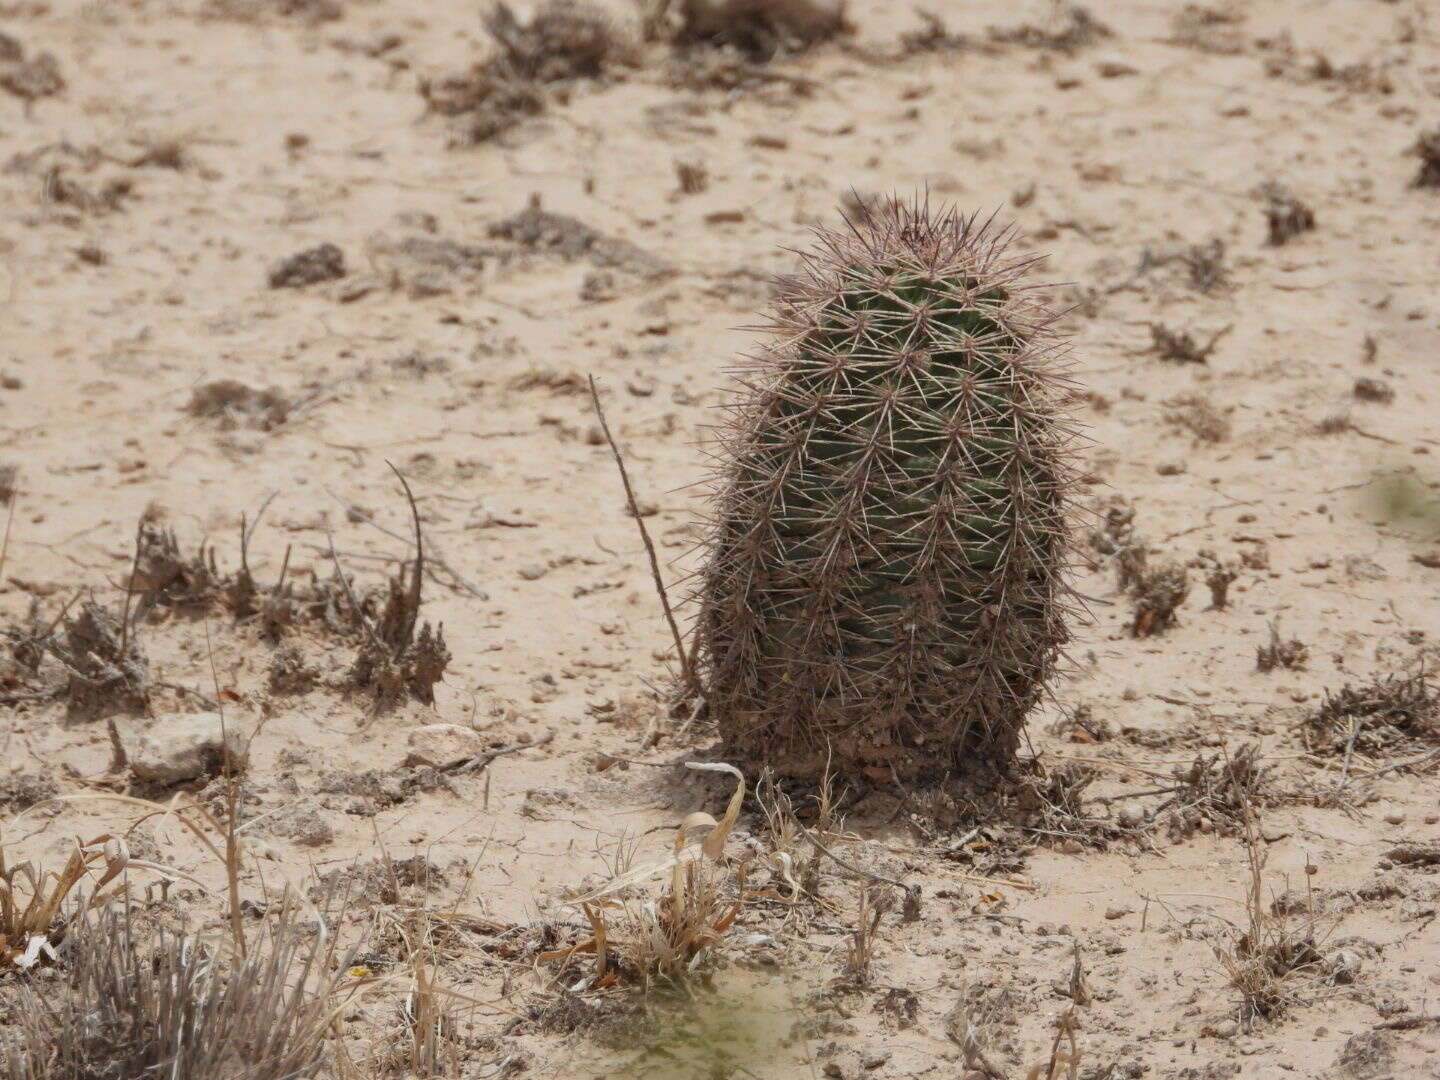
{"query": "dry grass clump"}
[(28, 79), (760, 30), (1181, 347), (1286, 216), (642, 940), (565, 40), (1211, 29), (1054, 802), (179, 1006), (1392, 713), (1275, 961), (1117, 538), (1220, 574), (1215, 792), (106, 671), (38, 905), (1155, 597), (165, 579), (310, 11), (1069, 28), (231, 404), (1199, 416), (1279, 652), (395, 659)]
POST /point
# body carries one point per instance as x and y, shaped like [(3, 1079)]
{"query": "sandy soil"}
[(193, 148)]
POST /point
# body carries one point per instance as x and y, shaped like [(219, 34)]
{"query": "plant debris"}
[(1280, 653), (1375, 390), (1071, 27), (1156, 596), (760, 30), (1392, 713), (324, 262), (1180, 347), (233, 404), (1286, 217), (32, 79), (106, 670), (1427, 149)]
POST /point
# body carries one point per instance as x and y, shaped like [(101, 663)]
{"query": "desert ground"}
[(261, 258)]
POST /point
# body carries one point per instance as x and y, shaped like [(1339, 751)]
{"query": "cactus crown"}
[(884, 581)]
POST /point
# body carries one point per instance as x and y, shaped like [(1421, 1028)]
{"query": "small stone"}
[(1113, 913), (177, 747), (1170, 468), (534, 571)]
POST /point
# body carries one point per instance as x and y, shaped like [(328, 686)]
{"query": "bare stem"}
[(687, 673)]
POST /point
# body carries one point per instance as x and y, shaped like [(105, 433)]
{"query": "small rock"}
[(533, 571), (177, 747), (1113, 913), (1170, 468)]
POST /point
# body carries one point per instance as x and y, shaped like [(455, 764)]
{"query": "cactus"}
[(883, 588)]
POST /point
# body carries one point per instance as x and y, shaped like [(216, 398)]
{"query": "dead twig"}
[(437, 559), (687, 672), (479, 761), (912, 892)]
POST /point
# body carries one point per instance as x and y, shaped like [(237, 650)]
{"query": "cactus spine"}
[(884, 581)]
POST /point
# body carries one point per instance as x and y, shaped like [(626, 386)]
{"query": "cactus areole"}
[(884, 591)]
